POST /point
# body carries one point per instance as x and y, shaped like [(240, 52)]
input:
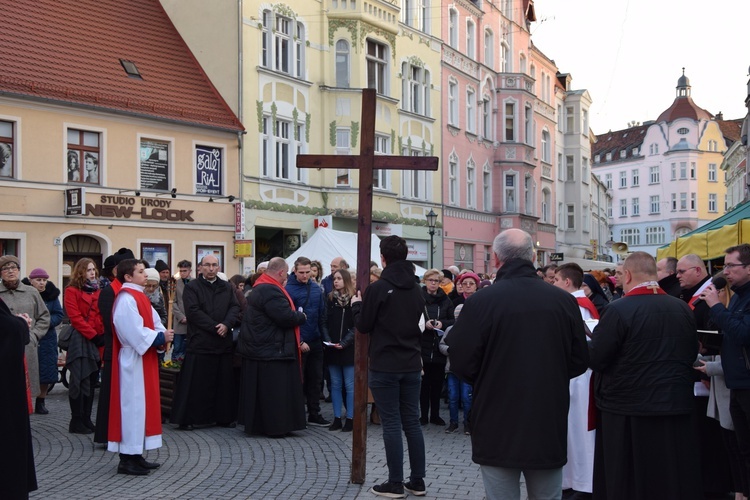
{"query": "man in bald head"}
[(327, 282), (642, 353)]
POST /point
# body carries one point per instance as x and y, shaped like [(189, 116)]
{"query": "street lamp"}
[(431, 220)]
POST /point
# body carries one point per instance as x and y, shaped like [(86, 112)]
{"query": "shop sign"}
[(239, 220), (126, 207), (243, 248), (74, 201)]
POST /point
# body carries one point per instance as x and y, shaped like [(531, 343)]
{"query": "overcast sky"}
[(629, 54)]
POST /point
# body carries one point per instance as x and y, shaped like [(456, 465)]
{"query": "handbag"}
[(63, 340)]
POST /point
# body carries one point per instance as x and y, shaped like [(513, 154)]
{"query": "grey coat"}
[(26, 299), (718, 395)]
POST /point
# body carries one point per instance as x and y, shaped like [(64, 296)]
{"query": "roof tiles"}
[(70, 51)]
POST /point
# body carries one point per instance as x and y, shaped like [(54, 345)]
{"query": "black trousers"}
[(739, 408), (312, 375), (432, 387)]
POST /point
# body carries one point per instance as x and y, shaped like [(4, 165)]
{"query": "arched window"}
[(342, 63)]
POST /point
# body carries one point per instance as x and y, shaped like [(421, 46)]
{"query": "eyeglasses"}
[(469, 283), (432, 281), (683, 271), (727, 266), (9, 267)]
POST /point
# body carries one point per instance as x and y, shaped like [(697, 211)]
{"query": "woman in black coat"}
[(594, 292), (340, 348), (438, 317)]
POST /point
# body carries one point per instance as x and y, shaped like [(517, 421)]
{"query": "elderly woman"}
[(21, 299), (439, 316), (47, 352), (467, 285)]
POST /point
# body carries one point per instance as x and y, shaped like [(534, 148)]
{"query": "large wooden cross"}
[(367, 162)]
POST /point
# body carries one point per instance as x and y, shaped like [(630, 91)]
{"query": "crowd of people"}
[(616, 384)]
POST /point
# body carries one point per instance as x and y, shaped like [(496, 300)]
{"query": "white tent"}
[(589, 265), (326, 244)]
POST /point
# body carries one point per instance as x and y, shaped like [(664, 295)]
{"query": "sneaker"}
[(437, 421), (415, 487), (467, 431), (388, 489), (318, 420), (336, 425), (452, 428)]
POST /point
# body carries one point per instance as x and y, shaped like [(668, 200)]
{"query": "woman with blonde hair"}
[(82, 306)]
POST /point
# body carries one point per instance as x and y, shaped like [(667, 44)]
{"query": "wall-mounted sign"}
[(243, 248), (74, 201), (154, 165), (384, 229), (239, 220), (556, 257), (208, 170), (126, 207)]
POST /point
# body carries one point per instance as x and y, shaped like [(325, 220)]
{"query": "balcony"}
[(380, 14), (516, 81)]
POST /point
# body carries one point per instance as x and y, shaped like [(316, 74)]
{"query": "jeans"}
[(397, 398), (312, 375), (456, 389), (178, 347), (501, 483), (342, 376)]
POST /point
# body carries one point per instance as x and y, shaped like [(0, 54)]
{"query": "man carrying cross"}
[(642, 352)]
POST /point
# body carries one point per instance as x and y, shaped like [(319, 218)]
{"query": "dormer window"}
[(623, 153), (131, 69), (683, 131)]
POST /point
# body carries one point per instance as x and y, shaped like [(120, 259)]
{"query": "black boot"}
[(88, 405), (77, 425), (40, 408)]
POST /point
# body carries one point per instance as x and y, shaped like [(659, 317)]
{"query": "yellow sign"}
[(243, 248)]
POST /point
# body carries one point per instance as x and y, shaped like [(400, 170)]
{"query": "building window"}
[(486, 119), (560, 216), (407, 13), (585, 219), (377, 66), (453, 103), (585, 170), (416, 184), (510, 193), (571, 216), (7, 147), (630, 236), (569, 120), (559, 119), (654, 204), (692, 201), (464, 255), (342, 64), (529, 125), (280, 150), (528, 195), (343, 146), (570, 168), (415, 89), (154, 165), (510, 121), (83, 149), (585, 119), (623, 207), (692, 170), (489, 44), (424, 10), (487, 189), (635, 207), (608, 181), (653, 175), (545, 146), (712, 202), (453, 28), (560, 167), (470, 110), (673, 167), (683, 170), (453, 180), (623, 179), (380, 178), (283, 44), (470, 184), (683, 201), (471, 42), (636, 178), (505, 62), (655, 235), (712, 172), (546, 199)]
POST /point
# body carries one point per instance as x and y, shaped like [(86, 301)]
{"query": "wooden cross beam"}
[(367, 162)]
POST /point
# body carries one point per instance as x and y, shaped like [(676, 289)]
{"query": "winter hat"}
[(7, 259), (110, 262), (38, 273), (152, 275), (161, 266), (447, 274), (124, 253), (469, 275)]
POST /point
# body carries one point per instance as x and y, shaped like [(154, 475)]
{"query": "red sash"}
[(586, 303), (150, 377)]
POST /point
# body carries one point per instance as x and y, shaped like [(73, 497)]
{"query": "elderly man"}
[(734, 323), (666, 274), (25, 299), (519, 342), (205, 391), (642, 353), (271, 401), (185, 268)]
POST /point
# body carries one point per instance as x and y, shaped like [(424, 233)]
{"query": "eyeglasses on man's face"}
[(726, 266)]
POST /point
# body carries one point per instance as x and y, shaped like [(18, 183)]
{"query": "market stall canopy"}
[(710, 240), (587, 264), (326, 244)]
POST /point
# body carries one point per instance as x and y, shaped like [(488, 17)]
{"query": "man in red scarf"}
[(642, 353), (135, 410)]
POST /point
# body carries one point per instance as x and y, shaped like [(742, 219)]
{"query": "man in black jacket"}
[(390, 313), (519, 342), (205, 391), (642, 353)]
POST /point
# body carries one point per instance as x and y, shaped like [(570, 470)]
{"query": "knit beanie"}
[(38, 273)]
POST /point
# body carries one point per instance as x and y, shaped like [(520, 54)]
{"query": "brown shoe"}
[(374, 415)]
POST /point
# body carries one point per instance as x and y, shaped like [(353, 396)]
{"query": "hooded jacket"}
[(390, 312)]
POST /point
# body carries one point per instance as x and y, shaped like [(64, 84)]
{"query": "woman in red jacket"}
[(82, 362)]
